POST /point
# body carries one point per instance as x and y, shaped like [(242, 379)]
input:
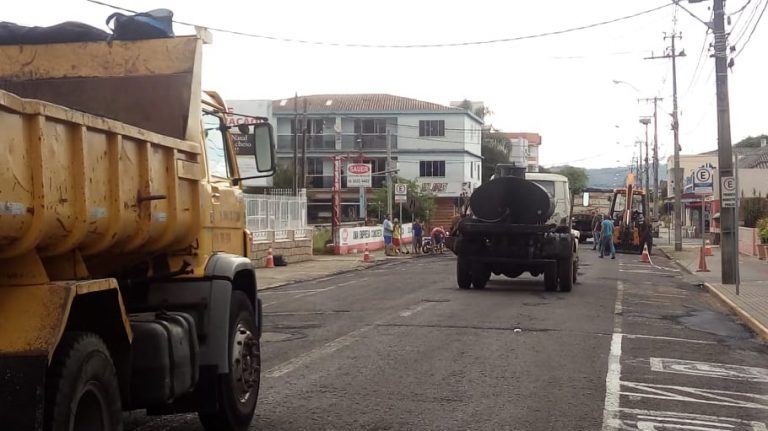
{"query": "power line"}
[(753, 30), (741, 9), (425, 45), (744, 30)]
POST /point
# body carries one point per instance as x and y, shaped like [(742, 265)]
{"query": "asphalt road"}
[(400, 347)]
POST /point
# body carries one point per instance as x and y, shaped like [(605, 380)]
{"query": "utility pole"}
[(295, 143), (678, 174), (728, 225), (389, 172), (656, 191)]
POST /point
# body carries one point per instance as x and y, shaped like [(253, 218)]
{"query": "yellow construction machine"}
[(629, 212)]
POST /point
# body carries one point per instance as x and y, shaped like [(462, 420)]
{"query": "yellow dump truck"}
[(124, 281)]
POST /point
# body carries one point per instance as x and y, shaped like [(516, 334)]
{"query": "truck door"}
[(227, 209)]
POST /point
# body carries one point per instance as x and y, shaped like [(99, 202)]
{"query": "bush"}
[(762, 230), (319, 238)]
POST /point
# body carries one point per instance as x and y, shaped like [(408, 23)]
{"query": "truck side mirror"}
[(254, 149), (585, 199)]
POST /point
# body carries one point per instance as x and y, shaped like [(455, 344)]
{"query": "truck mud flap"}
[(22, 391)]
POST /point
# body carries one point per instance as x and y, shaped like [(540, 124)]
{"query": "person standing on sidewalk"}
[(606, 237), (387, 226), (597, 219), (396, 235), (418, 233)]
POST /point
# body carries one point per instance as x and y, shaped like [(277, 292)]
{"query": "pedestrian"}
[(597, 220), (438, 236), (607, 238), (418, 233), (387, 226), (396, 235)]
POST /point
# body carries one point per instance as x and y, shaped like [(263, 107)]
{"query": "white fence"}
[(279, 213)]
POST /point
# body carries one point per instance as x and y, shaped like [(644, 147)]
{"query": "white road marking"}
[(283, 292), (655, 337), (328, 348), (416, 309), (696, 395), (709, 369), (649, 420), (309, 292), (334, 345), (613, 377)]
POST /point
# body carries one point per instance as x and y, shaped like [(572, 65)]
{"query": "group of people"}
[(602, 235), (393, 235)]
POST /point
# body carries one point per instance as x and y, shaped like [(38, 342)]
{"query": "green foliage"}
[(425, 202), (492, 156), (753, 209), (751, 141), (577, 178), (762, 230), (319, 238)]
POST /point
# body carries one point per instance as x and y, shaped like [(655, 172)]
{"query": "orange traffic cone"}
[(702, 261), (270, 259), (708, 249), (645, 257), (366, 255)]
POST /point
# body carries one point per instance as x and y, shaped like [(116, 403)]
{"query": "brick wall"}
[(293, 249)]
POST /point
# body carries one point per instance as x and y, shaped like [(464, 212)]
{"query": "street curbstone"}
[(754, 324)]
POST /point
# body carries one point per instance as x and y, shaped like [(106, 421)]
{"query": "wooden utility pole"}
[(728, 226), (306, 131), (389, 172), (677, 172)]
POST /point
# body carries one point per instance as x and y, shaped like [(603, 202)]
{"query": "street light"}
[(617, 82)]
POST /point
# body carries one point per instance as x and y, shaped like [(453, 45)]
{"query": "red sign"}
[(358, 168)]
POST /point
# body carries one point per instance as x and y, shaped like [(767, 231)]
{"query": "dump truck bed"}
[(74, 184)]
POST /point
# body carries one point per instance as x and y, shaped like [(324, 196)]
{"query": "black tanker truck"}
[(517, 224)]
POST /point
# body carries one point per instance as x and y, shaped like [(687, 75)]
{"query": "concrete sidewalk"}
[(322, 266), (751, 304)]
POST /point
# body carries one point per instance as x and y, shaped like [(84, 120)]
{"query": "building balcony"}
[(366, 142), (325, 142)]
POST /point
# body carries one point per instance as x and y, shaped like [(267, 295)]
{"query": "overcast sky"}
[(559, 86)]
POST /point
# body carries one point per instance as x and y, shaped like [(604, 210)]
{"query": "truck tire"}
[(463, 273), (238, 390), (550, 278), (565, 276), (82, 392), (480, 276)]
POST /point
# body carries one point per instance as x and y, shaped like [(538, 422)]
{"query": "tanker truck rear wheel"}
[(238, 390), (82, 391), (565, 268), (463, 273), (480, 275), (550, 278)]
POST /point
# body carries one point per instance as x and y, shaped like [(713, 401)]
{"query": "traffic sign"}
[(401, 199), (728, 192), (401, 189), (702, 181)]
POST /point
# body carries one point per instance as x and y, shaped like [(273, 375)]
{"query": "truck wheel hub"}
[(246, 365)]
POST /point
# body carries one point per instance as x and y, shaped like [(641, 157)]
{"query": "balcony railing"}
[(314, 142), (351, 141)]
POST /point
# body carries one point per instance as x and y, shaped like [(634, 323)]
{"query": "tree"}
[(480, 111), (577, 178), (283, 178), (751, 141), (492, 156), (425, 202)]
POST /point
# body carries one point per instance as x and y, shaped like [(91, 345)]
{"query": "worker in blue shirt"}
[(607, 238)]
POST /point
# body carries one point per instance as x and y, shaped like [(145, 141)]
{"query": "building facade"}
[(434, 145)]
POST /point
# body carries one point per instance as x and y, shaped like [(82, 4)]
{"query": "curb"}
[(753, 324), (760, 329)]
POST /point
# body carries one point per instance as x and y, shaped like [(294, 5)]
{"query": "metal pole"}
[(736, 233), (729, 248), (656, 192), (701, 215), (295, 143), (305, 135), (389, 172)]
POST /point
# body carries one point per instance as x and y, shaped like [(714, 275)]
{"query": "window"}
[(471, 170), (373, 126), (429, 168), (215, 148), (314, 166), (549, 186), (432, 128), (314, 126)]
